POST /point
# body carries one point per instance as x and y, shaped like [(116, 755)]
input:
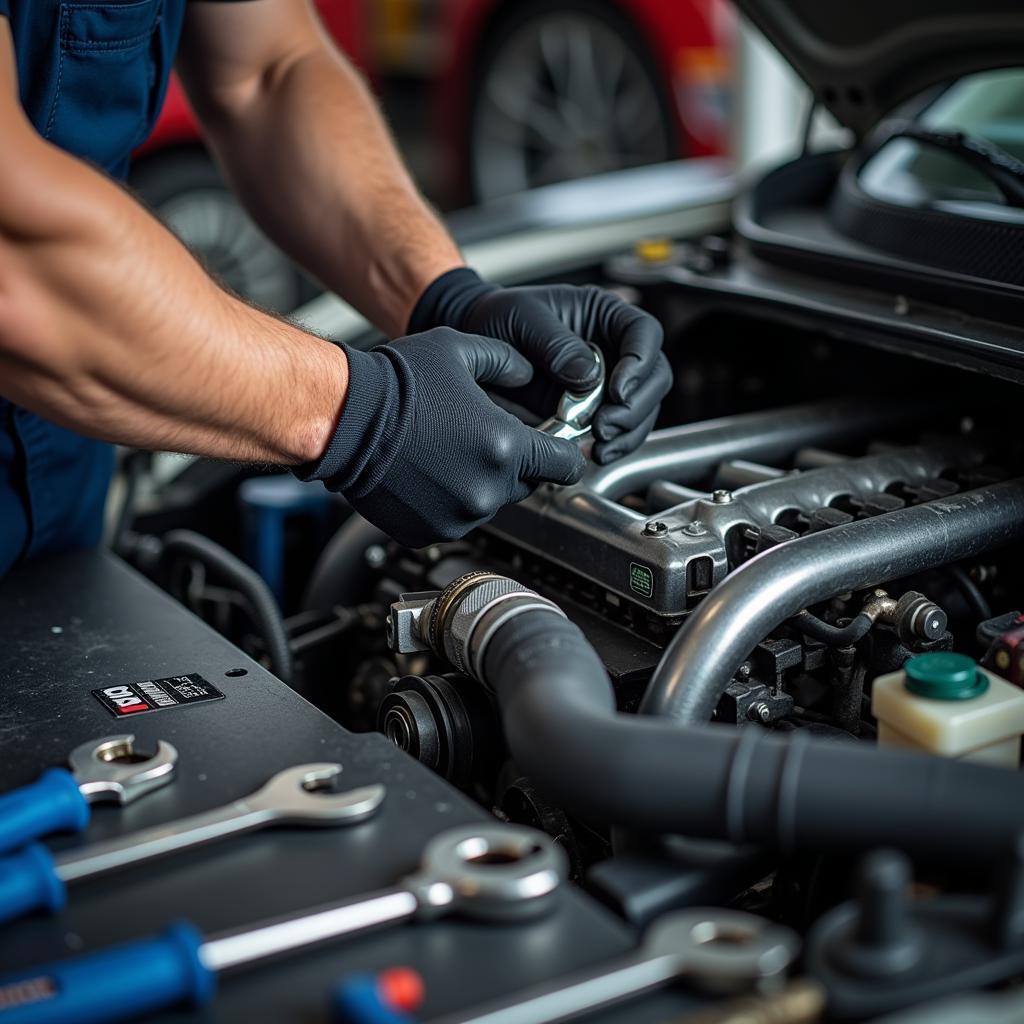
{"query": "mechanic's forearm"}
[(108, 326), (308, 152)]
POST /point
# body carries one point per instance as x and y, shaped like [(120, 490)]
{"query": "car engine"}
[(710, 621)]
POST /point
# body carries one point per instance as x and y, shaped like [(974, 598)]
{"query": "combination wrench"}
[(34, 879), (713, 949), (491, 873), (110, 770)]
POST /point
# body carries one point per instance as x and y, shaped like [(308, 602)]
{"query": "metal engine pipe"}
[(761, 594), (682, 454)]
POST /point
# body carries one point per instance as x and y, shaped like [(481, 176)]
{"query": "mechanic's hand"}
[(422, 452), (550, 326)]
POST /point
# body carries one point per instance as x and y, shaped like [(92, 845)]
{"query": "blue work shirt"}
[(92, 78)]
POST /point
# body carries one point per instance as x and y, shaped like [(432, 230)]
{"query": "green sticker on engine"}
[(641, 580)]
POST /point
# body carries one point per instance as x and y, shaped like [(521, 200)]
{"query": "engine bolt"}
[(721, 497), (375, 556), (761, 712), (929, 623), (655, 528)]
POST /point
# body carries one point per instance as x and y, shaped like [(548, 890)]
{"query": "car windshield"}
[(987, 106)]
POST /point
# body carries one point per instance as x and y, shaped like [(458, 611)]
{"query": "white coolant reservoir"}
[(946, 704)]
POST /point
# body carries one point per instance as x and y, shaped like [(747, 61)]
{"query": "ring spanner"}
[(493, 872), (713, 949), (33, 879), (575, 412), (108, 770)]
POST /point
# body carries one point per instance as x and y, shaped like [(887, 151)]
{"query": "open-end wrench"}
[(713, 949), (34, 879), (109, 770), (575, 411), (494, 872)]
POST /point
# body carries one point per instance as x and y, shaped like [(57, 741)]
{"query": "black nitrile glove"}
[(422, 452), (550, 326)]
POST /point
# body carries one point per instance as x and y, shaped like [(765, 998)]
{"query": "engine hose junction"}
[(670, 771)]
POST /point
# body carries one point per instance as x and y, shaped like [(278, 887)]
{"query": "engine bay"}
[(816, 512)]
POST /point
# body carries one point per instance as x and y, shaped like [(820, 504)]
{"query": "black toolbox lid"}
[(862, 58)]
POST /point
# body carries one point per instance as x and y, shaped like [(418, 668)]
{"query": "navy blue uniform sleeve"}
[(5, 8)]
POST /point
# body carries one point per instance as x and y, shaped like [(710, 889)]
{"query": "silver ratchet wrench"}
[(33, 879)]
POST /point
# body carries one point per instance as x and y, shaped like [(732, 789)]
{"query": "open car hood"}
[(862, 59)]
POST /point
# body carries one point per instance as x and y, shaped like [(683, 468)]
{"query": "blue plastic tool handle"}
[(356, 1000), (118, 984), (28, 881), (53, 803)]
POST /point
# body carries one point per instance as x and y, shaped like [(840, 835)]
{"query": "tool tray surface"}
[(82, 622)]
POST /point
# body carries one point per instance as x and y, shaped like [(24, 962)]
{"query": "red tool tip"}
[(400, 988)]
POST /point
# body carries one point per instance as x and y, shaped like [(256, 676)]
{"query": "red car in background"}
[(542, 91), (520, 93)]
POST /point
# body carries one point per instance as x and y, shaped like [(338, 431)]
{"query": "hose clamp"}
[(469, 611)]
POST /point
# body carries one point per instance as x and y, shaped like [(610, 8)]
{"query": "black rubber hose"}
[(970, 592), (835, 636), (341, 573), (233, 571), (744, 785)]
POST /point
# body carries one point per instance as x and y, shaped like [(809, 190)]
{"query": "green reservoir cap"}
[(944, 675)]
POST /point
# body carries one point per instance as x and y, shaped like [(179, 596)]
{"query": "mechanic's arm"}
[(301, 141), (108, 326)]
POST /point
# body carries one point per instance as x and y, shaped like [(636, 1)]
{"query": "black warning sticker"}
[(156, 695)]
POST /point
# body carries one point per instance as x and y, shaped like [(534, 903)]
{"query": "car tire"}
[(185, 191), (543, 110)]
